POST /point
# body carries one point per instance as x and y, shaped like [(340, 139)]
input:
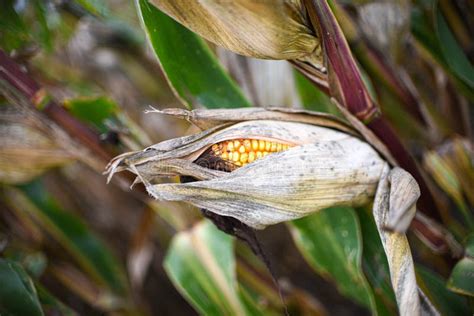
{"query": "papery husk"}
[(287, 185), (410, 299), (261, 29), (205, 119), (325, 168)]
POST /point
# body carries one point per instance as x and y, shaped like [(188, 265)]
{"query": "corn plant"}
[(304, 157)]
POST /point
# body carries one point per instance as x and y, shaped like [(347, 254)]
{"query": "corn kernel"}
[(235, 156), (244, 151), (254, 144), (247, 145), (251, 156), (268, 146), (273, 148)]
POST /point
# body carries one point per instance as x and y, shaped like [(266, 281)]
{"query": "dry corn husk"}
[(326, 167), (260, 29), (329, 165)]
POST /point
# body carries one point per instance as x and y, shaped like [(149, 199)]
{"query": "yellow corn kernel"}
[(235, 156), (268, 146), (248, 145), (244, 157), (244, 151), (254, 144), (274, 147), (251, 156)]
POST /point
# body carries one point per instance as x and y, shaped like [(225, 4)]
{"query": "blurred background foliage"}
[(70, 244)]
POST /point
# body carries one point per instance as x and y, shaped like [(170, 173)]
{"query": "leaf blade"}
[(334, 250), (201, 264), (191, 69), (17, 292), (73, 235)]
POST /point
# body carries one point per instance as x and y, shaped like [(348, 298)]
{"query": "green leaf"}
[(94, 110), (42, 16), (311, 97), (201, 264), (95, 7), (51, 305), (17, 291), (13, 31), (432, 31), (73, 234), (453, 53), (191, 68), (421, 27), (447, 302), (331, 242), (375, 264), (462, 277)]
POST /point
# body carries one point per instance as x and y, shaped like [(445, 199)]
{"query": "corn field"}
[(273, 157)]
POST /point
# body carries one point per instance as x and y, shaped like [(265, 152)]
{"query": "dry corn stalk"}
[(266, 166)]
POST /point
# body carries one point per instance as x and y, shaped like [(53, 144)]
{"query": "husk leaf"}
[(325, 168)]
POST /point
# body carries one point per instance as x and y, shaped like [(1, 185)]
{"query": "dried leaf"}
[(260, 29), (397, 250), (26, 151)]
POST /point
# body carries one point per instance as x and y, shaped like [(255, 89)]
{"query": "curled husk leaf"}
[(324, 166), (260, 29)]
